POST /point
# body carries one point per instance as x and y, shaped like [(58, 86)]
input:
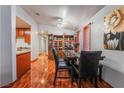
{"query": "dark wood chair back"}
[(56, 58), (88, 63)]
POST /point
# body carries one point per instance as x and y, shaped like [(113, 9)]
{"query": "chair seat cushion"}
[(61, 60), (62, 64)]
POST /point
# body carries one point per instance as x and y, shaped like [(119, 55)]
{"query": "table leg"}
[(100, 72)]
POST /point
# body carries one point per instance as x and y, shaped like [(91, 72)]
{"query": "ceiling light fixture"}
[(64, 13), (59, 25), (38, 14), (59, 19), (60, 22)]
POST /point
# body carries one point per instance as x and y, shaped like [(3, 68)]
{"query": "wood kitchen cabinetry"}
[(27, 38), (23, 33), (23, 63), (19, 32)]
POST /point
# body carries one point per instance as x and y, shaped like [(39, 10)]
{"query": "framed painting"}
[(114, 30)]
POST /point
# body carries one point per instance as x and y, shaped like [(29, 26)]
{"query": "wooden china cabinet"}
[(61, 42)]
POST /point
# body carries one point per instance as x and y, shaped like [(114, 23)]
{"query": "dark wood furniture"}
[(88, 66), (100, 68), (95, 54), (60, 65)]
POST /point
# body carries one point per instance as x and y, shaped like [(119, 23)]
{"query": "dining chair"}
[(88, 66), (64, 59), (60, 65)]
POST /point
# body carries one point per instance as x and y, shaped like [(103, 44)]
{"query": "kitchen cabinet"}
[(23, 63), (19, 32), (27, 38), (24, 33)]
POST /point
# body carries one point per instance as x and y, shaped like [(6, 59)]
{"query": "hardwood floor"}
[(41, 75)]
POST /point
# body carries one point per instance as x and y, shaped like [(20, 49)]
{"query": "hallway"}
[(41, 75)]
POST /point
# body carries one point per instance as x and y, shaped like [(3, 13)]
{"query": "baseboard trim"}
[(7, 86), (34, 60), (107, 83), (11, 84), (40, 54)]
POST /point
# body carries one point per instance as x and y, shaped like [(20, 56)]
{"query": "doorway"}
[(23, 47), (87, 37), (43, 44)]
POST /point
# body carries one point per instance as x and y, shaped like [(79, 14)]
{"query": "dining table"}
[(73, 58)]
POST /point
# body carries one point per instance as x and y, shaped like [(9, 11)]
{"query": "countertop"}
[(23, 51)]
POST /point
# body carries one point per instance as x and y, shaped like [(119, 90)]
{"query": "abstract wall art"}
[(114, 30)]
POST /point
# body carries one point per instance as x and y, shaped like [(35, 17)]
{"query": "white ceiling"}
[(72, 15), (21, 23)]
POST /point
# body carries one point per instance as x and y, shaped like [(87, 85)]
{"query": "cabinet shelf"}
[(61, 42)]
